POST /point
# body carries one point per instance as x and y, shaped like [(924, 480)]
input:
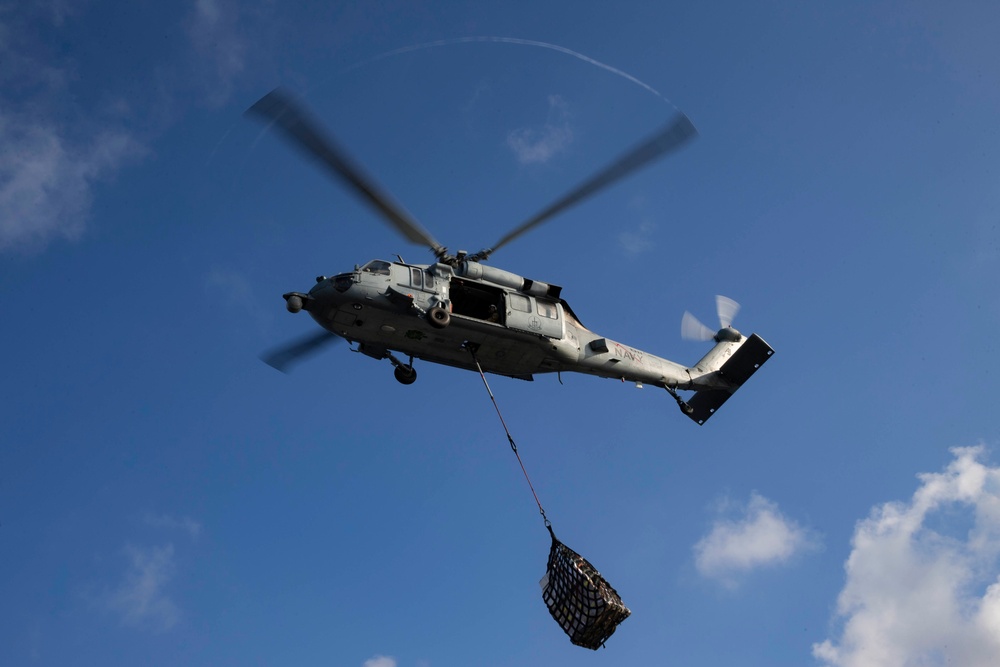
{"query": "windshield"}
[(376, 266)]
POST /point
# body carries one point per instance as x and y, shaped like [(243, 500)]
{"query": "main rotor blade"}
[(671, 137), (303, 131), (282, 358)]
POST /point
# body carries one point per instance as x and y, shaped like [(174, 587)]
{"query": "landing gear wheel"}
[(438, 317), (405, 374)]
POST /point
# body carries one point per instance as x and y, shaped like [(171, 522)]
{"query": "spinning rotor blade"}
[(727, 309), (693, 329), (670, 138), (302, 131), (282, 358)]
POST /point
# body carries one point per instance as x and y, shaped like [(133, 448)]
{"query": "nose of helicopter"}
[(324, 297), (319, 299)]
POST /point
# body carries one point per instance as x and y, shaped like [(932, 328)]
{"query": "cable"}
[(510, 439)]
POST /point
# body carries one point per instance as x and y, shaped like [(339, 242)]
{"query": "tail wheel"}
[(438, 317), (405, 374)]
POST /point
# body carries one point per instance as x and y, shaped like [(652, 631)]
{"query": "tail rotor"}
[(693, 329)]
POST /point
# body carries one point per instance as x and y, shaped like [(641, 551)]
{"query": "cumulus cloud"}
[(537, 145), (923, 583), (380, 661), (759, 536), (140, 599)]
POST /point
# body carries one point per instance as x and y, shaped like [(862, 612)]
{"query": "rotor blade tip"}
[(274, 363), (270, 105)]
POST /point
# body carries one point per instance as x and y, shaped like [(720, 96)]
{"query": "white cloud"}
[(761, 536), (52, 155), (140, 599), (534, 145), (380, 661), (923, 583), (55, 150), (46, 181)]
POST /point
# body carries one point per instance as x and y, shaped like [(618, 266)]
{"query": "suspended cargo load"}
[(586, 606)]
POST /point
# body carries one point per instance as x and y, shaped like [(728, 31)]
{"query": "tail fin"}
[(722, 371)]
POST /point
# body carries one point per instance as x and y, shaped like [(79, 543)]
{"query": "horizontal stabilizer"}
[(750, 356)]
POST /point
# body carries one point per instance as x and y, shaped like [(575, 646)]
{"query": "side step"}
[(750, 356)]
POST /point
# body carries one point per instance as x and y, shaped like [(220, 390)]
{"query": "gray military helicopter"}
[(461, 312)]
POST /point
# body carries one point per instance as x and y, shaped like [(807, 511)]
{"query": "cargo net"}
[(578, 597)]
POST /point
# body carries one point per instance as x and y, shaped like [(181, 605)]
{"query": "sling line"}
[(510, 439)]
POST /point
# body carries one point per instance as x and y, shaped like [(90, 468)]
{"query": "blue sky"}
[(166, 498)]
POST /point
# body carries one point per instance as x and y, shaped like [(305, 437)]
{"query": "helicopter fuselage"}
[(517, 327)]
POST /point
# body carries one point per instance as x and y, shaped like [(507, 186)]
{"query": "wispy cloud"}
[(51, 159), (638, 239), (140, 599), (213, 30), (537, 145), (923, 583), (57, 148), (380, 661), (47, 179), (759, 536)]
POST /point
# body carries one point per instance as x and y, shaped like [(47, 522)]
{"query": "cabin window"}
[(417, 278), (377, 267), (519, 303), (546, 309)]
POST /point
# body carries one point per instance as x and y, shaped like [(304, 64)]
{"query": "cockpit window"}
[(377, 267), (342, 282)]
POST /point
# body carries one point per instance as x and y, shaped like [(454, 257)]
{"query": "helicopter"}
[(461, 312)]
